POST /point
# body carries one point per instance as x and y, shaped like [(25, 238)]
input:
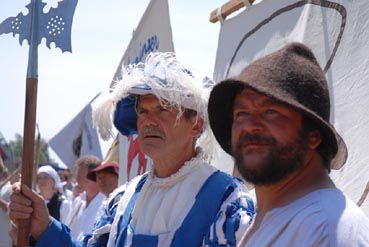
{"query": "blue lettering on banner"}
[(151, 45)]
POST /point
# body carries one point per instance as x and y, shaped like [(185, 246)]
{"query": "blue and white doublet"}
[(197, 206)]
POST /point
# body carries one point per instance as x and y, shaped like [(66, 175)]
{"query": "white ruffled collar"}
[(187, 168)]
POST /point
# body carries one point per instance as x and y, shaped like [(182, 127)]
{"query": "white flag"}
[(338, 33), (153, 33), (77, 138)]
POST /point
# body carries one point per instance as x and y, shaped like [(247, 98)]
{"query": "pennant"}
[(55, 26), (77, 138)]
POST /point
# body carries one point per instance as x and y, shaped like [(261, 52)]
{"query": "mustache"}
[(151, 131), (255, 139)]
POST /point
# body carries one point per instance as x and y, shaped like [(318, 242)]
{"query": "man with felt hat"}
[(273, 118)]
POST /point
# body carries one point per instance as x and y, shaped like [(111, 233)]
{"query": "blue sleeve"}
[(233, 218), (57, 235)]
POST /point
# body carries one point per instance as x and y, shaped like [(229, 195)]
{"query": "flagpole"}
[(29, 120)]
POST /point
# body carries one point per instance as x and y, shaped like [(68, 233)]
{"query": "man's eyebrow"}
[(264, 103), (157, 107), (271, 102)]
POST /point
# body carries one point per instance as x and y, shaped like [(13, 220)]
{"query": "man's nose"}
[(253, 124), (148, 119)]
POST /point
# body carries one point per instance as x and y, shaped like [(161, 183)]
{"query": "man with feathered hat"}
[(273, 118), (183, 200)]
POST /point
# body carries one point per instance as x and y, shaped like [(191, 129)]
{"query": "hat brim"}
[(220, 109), (109, 167)]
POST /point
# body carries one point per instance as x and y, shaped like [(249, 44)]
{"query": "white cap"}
[(54, 175)]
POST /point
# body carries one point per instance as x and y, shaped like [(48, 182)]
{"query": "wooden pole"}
[(227, 9), (28, 151), (24, 226), (37, 158)]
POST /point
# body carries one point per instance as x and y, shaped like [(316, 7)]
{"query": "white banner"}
[(338, 33), (77, 138), (153, 33)]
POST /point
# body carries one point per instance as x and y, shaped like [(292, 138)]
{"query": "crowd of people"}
[(73, 200), (272, 118)]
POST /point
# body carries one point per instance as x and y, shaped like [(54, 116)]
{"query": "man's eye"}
[(141, 111), (163, 109), (239, 114), (270, 111)]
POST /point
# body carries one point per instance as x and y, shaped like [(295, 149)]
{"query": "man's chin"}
[(253, 160), (148, 147), (250, 167)]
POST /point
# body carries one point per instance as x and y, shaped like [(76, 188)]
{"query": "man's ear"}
[(198, 124), (315, 138)]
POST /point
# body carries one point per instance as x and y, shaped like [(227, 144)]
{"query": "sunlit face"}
[(45, 182), (160, 133), (267, 138), (82, 179), (106, 181)]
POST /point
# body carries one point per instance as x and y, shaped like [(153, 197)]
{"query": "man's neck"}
[(90, 195), (312, 176), (170, 164)]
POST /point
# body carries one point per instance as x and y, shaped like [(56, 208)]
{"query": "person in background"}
[(5, 240), (64, 179), (69, 179), (87, 206), (183, 200), (77, 191), (50, 187), (273, 118), (106, 177)]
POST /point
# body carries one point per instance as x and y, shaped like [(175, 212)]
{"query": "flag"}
[(55, 26), (77, 138), (338, 34), (153, 33)]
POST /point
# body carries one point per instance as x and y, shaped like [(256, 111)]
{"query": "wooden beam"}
[(227, 9)]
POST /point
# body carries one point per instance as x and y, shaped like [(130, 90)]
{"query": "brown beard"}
[(281, 161)]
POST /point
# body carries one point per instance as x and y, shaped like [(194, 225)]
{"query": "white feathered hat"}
[(163, 76)]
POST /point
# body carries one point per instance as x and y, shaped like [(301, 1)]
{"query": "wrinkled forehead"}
[(146, 97), (247, 95)]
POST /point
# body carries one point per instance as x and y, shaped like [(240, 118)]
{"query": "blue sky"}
[(100, 34)]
